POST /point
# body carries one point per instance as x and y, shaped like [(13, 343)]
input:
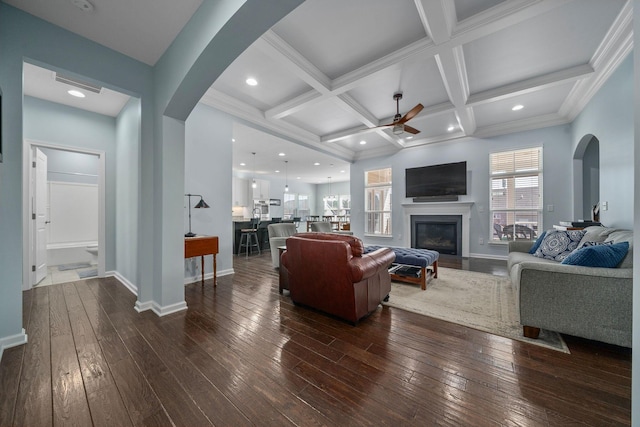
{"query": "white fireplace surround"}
[(439, 208)]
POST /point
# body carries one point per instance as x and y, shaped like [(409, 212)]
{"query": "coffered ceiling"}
[(327, 72)]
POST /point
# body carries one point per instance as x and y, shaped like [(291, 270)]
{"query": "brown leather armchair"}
[(329, 272)]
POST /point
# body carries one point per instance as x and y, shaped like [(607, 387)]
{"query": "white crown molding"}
[(616, 46)]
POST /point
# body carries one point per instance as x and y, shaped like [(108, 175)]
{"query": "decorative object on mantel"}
[(477, 300), (201, 204)]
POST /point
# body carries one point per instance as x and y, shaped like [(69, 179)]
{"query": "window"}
[(377, 204), (516, 194), (295, 205), (337, 205)]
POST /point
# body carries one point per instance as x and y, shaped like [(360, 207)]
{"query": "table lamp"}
[(201, 204)]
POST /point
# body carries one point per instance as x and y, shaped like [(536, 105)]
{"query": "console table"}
[(201, 246)]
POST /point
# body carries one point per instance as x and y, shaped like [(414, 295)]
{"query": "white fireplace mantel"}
[(439, 208)]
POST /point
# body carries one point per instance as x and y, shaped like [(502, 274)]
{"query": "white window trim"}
[(539, 211), (367, 211)]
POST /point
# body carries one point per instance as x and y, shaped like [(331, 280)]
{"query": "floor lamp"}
[(201, 204)]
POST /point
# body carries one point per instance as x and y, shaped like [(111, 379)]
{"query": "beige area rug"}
[(477, 300)]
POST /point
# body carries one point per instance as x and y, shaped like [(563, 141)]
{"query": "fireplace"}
[(442, 233), (460, 209)]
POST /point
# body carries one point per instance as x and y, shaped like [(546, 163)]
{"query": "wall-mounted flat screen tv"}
[(448, 179)]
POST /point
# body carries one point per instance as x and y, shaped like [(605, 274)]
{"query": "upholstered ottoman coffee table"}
[(408, 259)]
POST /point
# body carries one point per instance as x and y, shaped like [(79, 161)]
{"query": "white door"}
[(39, 215)]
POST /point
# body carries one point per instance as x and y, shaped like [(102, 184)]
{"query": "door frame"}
[(27, 195)]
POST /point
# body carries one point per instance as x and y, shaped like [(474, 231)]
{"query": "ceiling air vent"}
[(77, 83)]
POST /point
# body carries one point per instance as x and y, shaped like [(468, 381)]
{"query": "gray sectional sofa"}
[(589, 302)]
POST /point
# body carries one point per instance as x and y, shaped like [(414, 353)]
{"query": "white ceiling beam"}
[(352, 79), (274, 46), (531, 85), (438, 18), (354, 107), (500, 17), (293, 105), (453, 72)]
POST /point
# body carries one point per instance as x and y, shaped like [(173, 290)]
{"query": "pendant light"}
[(254, 184), (286, 177)]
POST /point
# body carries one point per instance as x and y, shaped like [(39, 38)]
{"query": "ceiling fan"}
[(399, 121)]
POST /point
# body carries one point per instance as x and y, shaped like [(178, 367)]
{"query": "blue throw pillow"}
[(603, 255), (558, 244), (537, 243)]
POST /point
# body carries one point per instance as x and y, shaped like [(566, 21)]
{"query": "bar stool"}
[(247, 238)]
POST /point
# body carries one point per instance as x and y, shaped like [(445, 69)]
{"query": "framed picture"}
[(274, 202)]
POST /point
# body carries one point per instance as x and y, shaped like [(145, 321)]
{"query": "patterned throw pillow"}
[(537, 243), (606, 255), (558, 244)]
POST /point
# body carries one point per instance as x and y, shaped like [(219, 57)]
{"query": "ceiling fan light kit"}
[(398, 126)]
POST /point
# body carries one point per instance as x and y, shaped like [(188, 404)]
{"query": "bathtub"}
[(69, 253)]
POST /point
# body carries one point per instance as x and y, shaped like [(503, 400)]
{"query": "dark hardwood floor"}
[(242, 354)]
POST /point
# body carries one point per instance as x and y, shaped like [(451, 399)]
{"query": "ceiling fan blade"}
[(409, 129), (412, 113)]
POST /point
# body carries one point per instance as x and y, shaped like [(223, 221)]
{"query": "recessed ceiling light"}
[(451, 128), (517, 107), (281, 154), (341, 171), (243, 164), (251, 81), (363, 142), (83, 4), (316, 164), (277, 171), (233, 140), (76, 93), (410, 137), (297, 177)]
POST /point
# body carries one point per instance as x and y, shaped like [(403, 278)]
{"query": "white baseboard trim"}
[(12, 341), (485, 256), (127, 284), (158, 309), (192, 279), (143, 306)]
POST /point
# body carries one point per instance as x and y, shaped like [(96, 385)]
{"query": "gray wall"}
[(127, 191), (609, 117), (208, 159)]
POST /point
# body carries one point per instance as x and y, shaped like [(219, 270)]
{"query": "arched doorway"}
[(587, 155)]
